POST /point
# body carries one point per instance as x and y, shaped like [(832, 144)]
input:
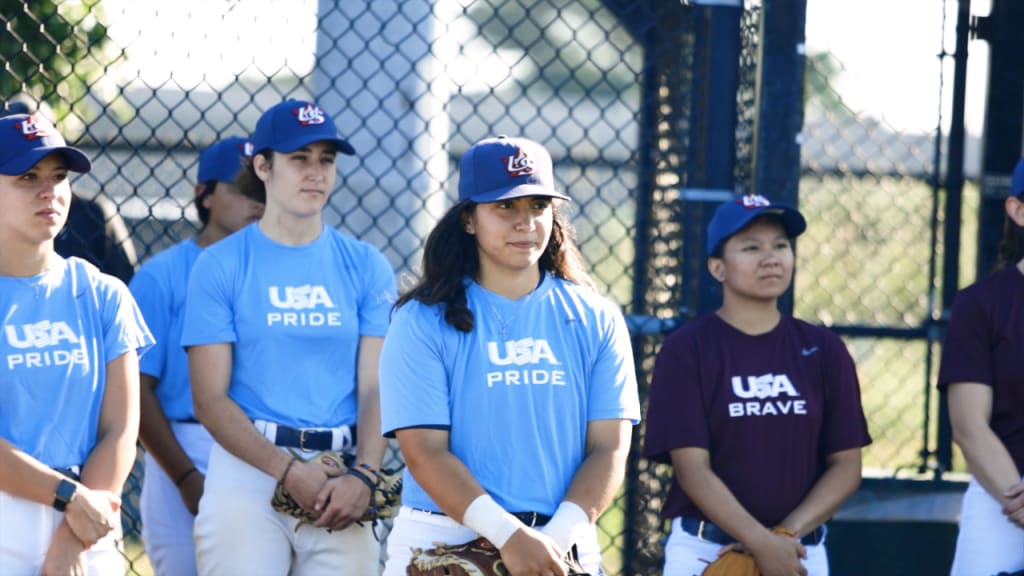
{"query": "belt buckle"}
[(533, 519), (302, 439), (700, 530)]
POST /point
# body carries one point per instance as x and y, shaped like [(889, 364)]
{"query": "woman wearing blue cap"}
[(177, 446), (983, 376), (69, 375), (284, 321), (758, 412), (508, 381)]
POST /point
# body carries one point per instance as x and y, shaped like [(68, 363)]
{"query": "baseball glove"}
[(735, 563), (386, 499), (732, 563), (475, 558)]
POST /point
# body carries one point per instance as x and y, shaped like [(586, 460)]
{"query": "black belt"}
[(70, 473), (308, 439), (531, 519), (707, 531), (186, 420)]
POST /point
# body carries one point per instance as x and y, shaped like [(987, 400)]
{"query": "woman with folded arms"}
[(69, 372), (758, 412), (284, 321), (507, 379)]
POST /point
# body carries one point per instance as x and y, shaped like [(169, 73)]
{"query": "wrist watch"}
[(65, 492)]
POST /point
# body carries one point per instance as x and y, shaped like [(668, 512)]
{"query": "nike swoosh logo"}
[(808, 351)]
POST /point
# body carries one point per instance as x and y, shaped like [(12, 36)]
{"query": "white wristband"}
[(567, 524), (485, 517)]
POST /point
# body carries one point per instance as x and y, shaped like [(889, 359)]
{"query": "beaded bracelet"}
[(288, 468), (184, 476), (369, 469)]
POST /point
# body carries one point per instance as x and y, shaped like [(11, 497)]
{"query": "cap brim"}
[(294, 144), (518, 191), (75, 160), (792, 221)]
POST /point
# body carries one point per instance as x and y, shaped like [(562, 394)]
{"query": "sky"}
[(888, 48)]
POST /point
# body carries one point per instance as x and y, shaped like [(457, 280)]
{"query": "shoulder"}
[(693, 330), (353, 245), (169, 258), (86, 276), (990, 289)]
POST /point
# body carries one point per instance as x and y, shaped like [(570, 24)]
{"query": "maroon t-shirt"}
[(985, 344), (768, 408)]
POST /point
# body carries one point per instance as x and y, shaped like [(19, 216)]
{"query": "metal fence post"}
[(779, 119), (378, 74)]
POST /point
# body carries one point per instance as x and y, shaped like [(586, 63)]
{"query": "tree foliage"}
[(52, 50)]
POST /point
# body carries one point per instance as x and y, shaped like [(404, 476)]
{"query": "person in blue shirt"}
[(507, 380), (69, 378), (177, 446), (284, 321)]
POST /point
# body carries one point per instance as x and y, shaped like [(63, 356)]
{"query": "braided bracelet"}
[(363, 478), (184, 476), (288, 468)]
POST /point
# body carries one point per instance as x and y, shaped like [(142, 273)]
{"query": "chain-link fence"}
[(607, 85)]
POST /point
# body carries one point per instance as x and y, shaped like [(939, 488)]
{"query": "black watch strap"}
[(65, 491)]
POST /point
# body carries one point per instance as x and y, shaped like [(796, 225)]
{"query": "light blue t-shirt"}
[(517, 403), (60, 329), (294, 315), (160, 287)]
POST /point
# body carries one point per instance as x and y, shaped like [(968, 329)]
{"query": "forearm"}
[(25, 477), (598, 479), (719, 504), (111, 460), (158, 437), (448, 482), (989, 461), (233, 430), (840, 480), (371, 445)]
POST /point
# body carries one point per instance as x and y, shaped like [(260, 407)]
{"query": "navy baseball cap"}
[(503, 168), (1017, 182), (733, 216), (24, 141), (292, 124), (221, 161)]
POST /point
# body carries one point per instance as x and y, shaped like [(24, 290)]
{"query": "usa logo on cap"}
[(310, 115), (754, 201), (518, 164), (32, 128)]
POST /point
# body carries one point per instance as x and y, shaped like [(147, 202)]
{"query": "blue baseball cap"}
[(733, 216), (24, 141), (503, 168), (1017, 182), (292, 124), (222, 160)]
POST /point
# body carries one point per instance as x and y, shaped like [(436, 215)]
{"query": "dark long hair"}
[(450, 255), (248, 183), (1011, 247)]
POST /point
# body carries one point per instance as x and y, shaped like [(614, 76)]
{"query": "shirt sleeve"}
[(966, 350), (613, 389), (378, 298), (209, 306), (844, 425), (413, 378), (676, 416), (124, 328), (152, 298)]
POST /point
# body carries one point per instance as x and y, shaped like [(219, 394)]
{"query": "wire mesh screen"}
[(606, 85)]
